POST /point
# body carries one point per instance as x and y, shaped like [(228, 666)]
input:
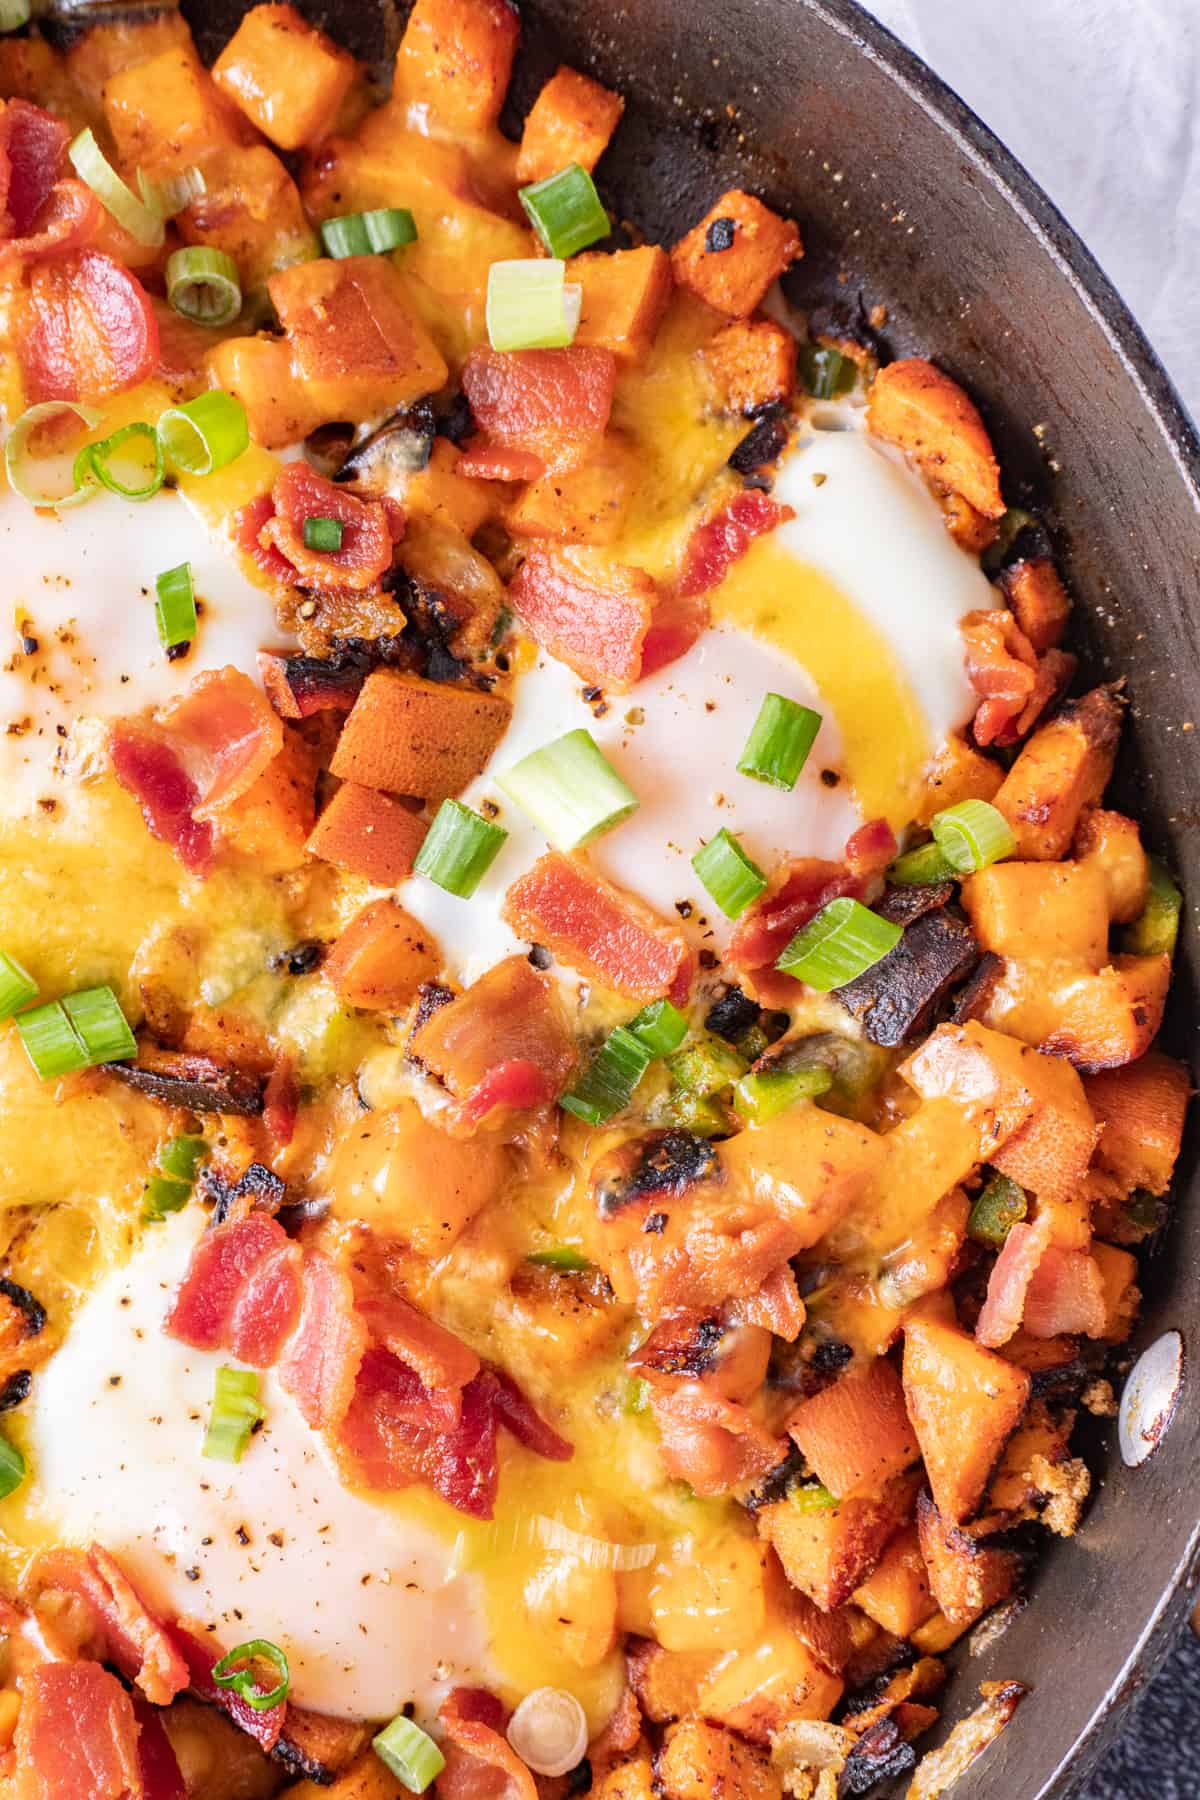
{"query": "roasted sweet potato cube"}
[(698, 1761), (1118, 1273), (711, 1602), (368, 833), (963, 1401), (110, 45), (756, 1691), (585, 506), (1142, 1108), (258, 372), (1013, 1489), (366, 1779), (959, 772), (322, 1747), (455, 59), (250, 209), (1110, 842), (571, 121), (668, 1682), (272, 819), (916, 406), (965, 1579), (855, 1433), (382, 958), (166, 115), (734, 254), (1040, 911), (286, 76), (625, 293), (968, 528), (632, 1780), (896, 1593), (411, 736), (1039, 600), (1063, 769), (827, 1554), (752, 363), (1113, 1017)]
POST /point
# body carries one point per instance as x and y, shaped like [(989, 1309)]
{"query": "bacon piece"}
[(870, 849), (267, 1306), (712, 1443), (1065, 1294), (437, 1357), (76, 1735), (147, 767), (132, 1636), (597, 627), (281, 1100), (184, 1078), (717, 544), (33, 146), (65, 221), (515, 1411), (795, 895), (367, 532), (502, 1043), (600, 930), (201, 1656), (162, 1778), (322, 1361), (675, 625), (222, 1263), (88, 330), (298, 686), (552, 404), (480, 1762), (492, 462), (248, 523), (1001, 667), (519, 1084)]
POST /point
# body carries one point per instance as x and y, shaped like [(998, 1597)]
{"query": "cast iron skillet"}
[(905, 198)]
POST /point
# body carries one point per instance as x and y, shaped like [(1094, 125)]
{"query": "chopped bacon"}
[(502, 1043), (88, 330), (322, 1361), (162, 1778), (600, 930), (77, 1735), (675, 625), (516, 1411), (33, 146), (1042, 1286), (438, 1358), (1014, 683), (66, 220), (712, 1443), (267, 1306), (776, 1306), (147, 766), (131, 1635), (222, 1263), (492, 462), (281, 1100), (597, 626), (480, 1762), (870, 849), (300, 494), (519, 1084), (248, 522), (201, 1656), (1008, 1283), (551, 404), (717, 544)]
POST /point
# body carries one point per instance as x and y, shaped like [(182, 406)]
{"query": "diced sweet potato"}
[(807, 1164), (1110, 842), (412, 736), (366, 1779), (257, 371), (1118, 1276), (584, 506), (756, 1691), (571, 121), (959, 772), (855, 1433), (272, 819), (734, 254), (406, 1178), (287, 77), (251, 209), (965, 1579), (752, 363), (1113, 1017), (1013, 1488), (632, 1780), (668, 1682), (896, 1593), (1040, 910), (455, 59), (1040, 602), (968, 528), (1063, 769), (382, 958), (625, 293), (166, 115), (106, 47), (916, 406), (699, 1761), (1142, 1108), (828, 1553), (963, 1402), (368, 833)]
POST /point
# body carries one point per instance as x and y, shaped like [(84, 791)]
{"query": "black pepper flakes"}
[(720, 235), (656, 1223), (830, 778)]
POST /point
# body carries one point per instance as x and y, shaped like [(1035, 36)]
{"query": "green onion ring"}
[(242, 1681), (18, 458), (92, 462)]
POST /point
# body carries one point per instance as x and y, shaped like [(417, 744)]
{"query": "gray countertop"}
[(1157, 1756)]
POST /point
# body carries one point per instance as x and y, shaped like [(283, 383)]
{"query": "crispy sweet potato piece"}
[(1034, 590), (896, 1593), (382, 958), (757, 1690), (966, 526), (368, 833), (1121, 1296), (734, 254), (965, 1580), (1113, 1017), (668, 1682), (632, 1780), (827, 1554), (366, 1779), (1110, 842), (1063, 769), (411, 736), (941, 1768), (585, 506), (959, 772), (251, 209), (288, 78), (625, 293), (963, 1402), (1142, 1108), (916, 406), (166, 115), (271, 820), (1038, 911), (455, 59), (571, 121), (752, 363), (855, 1433), (698, 1761)]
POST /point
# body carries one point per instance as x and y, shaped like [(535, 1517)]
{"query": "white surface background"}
[(1100, 99)]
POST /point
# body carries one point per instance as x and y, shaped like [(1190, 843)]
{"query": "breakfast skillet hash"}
[(579, 1089)]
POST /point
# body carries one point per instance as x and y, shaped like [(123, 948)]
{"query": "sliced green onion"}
[(996, 1209), (175, 606), (170, 1192), (22, 466), (143, 222), (234, 1671), (810, 1497), (236, 1410), (562, 1258), (169, 197), (565, 211), (205, 433), (161, 1195), (922, 867), (410, 1754), (101, 1026), (706, 1066), (322, 534), (14, 14), (50, 1040), (660, 1027), (824, 372), (778, 746), (1154, 931), (761, 1097), (203, 285), (531, 305), (95, 462), (729, 875), (369, 233), (608, 1083), (17, 986), (972, 835), (12, 1468), (571, 790), (843, 941), (637, 1395), (459, 849), (182, 1156)]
